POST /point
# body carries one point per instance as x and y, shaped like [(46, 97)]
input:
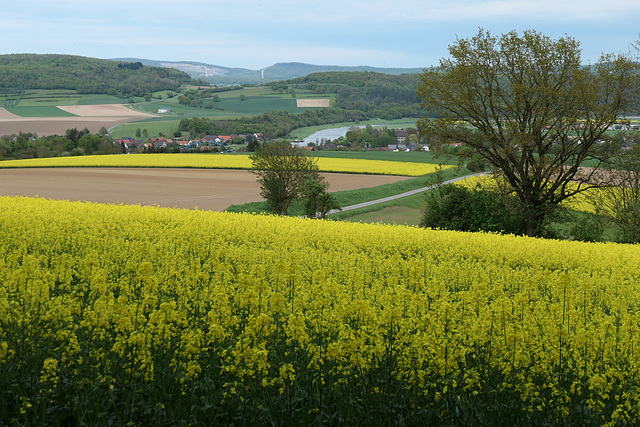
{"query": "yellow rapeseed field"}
[(116, 314), (220, 161), (580, 202)]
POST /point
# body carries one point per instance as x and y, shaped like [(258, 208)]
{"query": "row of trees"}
[(373, 137), (73, 143), (273, 125)]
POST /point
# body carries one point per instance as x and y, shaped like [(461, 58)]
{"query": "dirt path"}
[(205, 189)]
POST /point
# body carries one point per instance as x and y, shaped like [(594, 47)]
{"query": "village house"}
[(224, 139), (401, 135)]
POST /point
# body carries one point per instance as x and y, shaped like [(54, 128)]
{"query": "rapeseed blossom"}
[(219, 161), (122, 313)]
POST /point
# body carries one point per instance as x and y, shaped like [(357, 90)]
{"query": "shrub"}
[(454, 207)]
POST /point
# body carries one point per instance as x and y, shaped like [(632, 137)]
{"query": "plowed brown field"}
[(92, 117), (205, 189)]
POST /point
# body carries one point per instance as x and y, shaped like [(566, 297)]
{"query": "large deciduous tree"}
[(527, 105), (282, 169)]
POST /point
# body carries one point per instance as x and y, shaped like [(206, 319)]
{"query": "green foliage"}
[(527, 106), (282, 169), (275, 124), (86, 75), (588, 228), (380, 95), (454, 207), (74, 142), (620, 202), (318, 202)]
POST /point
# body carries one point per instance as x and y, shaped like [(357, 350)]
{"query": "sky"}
[(256, 34)]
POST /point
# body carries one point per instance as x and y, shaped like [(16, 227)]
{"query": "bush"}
[(454, 207), (588, 229)]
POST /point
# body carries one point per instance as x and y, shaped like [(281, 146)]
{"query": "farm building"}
[(164, 110)]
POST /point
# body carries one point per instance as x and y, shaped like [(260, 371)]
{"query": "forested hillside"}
[(377, 95), (359, 96), (86, 75)]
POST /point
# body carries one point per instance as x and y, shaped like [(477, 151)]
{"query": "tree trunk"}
[(532, 224)]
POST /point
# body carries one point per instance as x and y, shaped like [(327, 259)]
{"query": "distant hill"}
[(280, 71), (86, 75)]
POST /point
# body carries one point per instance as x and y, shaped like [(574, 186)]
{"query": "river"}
[(328, 135)]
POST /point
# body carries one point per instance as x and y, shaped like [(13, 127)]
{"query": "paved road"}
[(398, 196)]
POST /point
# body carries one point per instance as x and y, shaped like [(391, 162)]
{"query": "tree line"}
[(74, 143), (274, 124)]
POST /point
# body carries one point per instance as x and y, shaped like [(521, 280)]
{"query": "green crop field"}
[(153, 126), (412, 156), (38, 111), (100, 99), (56, 97)]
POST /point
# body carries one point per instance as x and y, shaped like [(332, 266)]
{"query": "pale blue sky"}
[(256, 34)]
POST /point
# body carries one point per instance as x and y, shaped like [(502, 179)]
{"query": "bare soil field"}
[(103, 110), (5, 115), (206, 189), (312, 102), (92, 117)]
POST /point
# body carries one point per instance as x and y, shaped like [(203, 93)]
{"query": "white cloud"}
[(256, 33)]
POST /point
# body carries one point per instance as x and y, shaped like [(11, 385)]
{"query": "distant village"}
[(222, 143), (206, 143)]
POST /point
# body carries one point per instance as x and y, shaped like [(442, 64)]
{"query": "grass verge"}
[(352, 197)]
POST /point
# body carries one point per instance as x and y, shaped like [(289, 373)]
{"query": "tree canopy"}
[(282, 170), (86, 75), (527, 105)]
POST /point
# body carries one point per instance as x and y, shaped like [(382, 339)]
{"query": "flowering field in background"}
[(115, 314), (579, 202), (378, 167)]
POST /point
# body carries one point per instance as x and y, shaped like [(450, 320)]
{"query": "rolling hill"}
[(281, 71), (86, 75)]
